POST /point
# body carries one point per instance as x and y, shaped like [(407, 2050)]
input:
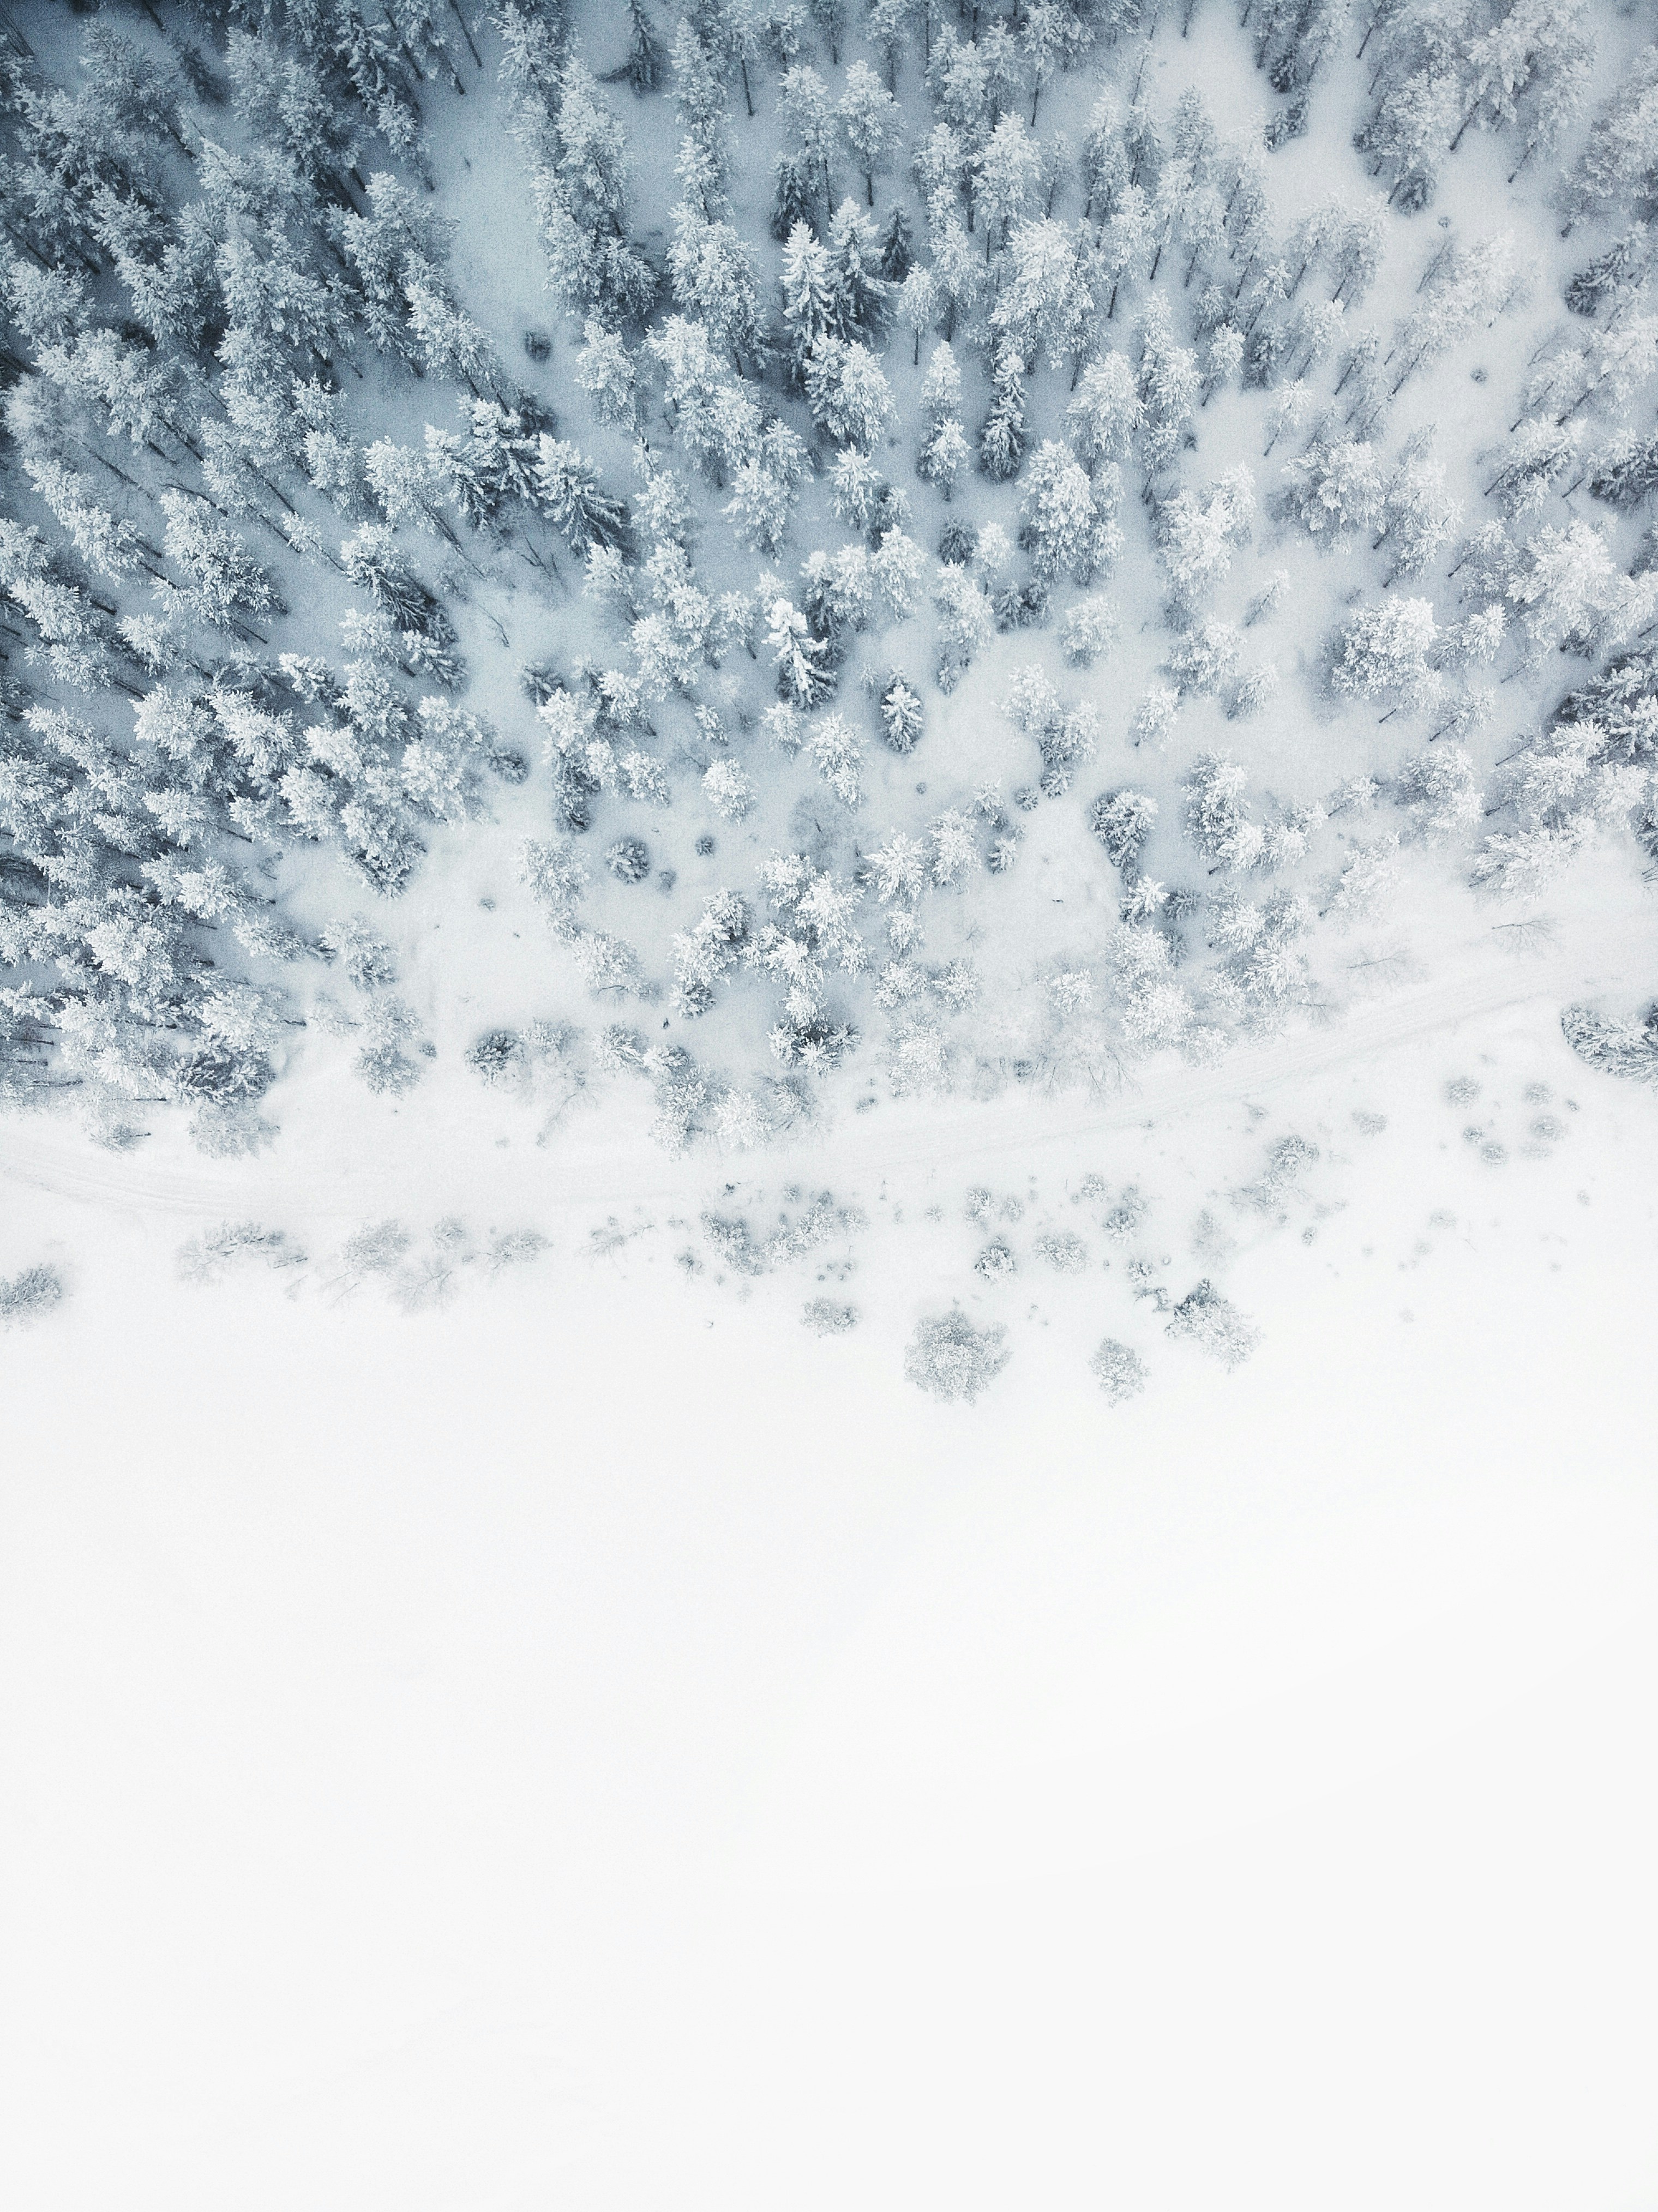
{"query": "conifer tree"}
[(872, 122)]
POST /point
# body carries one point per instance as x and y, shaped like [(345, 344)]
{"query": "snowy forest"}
[(837, 553)]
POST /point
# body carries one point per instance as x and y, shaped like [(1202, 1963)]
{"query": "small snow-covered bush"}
[(387, 1070), (231, 1132), (1062, 1250), (1615, 1047), (24, 1297), (996, 1262), (827, 1317), (499, 1057), (375, 1249), (1119, 1371), (629, 860), (1289, 1160), (1126, 1217), (952, 1359), (514, 1248), (1203, 1318), (205, 1258)]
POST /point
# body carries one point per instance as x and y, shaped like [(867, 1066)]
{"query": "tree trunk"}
[(466, 33)]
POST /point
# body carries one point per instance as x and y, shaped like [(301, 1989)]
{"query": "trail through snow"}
[(425, 1157)]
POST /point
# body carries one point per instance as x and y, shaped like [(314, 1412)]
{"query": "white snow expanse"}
[(684, 1765)]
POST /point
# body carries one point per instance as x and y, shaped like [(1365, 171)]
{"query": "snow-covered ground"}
[(686, 1766)]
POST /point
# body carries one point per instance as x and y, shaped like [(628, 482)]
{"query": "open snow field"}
[(687, 1767)]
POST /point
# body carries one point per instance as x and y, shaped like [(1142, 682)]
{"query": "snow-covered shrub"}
[(1290, 1158), (230, 1132), (27, 1296), (375, 1249), (995, 1262), (950, 1358), (499, 1058), (206, 1258), (1119, 1371), (828, 1317), (1616, 1048), (1062, 1250), (1211, 1322), (387, 1069)]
